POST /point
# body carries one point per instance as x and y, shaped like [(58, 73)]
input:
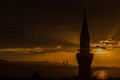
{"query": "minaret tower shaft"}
[(84, 57)]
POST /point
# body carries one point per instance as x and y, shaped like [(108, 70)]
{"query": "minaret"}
[(84, 57)]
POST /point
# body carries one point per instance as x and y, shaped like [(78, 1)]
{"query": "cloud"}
[(49, 53), (21, 50), (35, 50)]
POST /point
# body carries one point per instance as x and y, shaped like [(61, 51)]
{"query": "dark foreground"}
[(37, 76), (38, 71)]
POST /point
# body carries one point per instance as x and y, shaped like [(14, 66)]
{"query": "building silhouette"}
[(65, 63), (84, 57)]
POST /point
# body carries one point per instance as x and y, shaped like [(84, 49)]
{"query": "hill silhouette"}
[(3, 61)]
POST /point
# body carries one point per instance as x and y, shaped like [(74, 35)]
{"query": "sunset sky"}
[(32, 30)]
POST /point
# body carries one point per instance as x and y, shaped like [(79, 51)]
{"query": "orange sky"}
[(102, 57)]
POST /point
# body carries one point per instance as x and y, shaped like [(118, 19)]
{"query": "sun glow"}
[(100, 51)]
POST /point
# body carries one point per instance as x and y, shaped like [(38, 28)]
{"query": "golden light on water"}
[(101, 74)]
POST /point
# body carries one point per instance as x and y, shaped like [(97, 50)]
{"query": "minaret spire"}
[(85, 37), (84, 57)]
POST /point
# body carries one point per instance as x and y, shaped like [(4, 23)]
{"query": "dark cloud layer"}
[(30, 23)]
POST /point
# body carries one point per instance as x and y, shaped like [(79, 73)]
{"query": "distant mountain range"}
[(3, 61), (28, 62), (38, 62)]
